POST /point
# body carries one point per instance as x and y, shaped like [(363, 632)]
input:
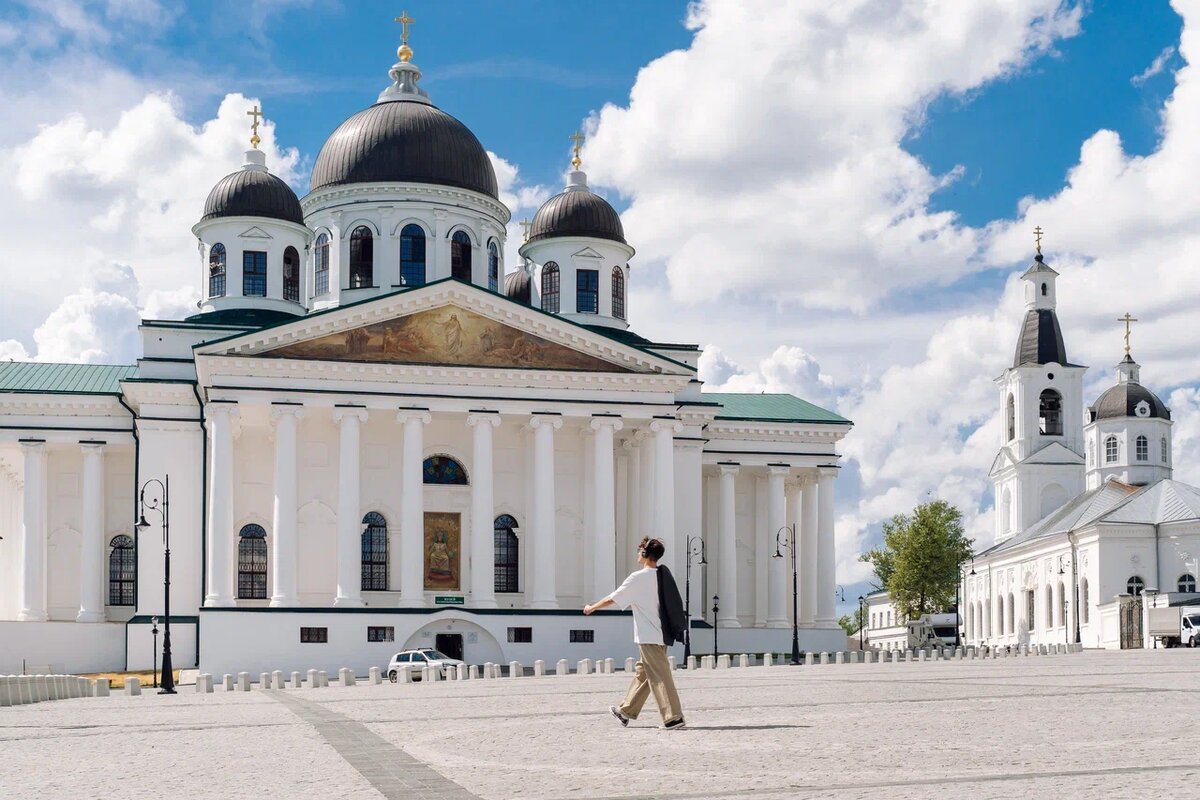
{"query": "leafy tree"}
[(852, 623), (920, 563)]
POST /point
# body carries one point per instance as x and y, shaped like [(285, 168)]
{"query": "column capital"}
[(342, 413), (607, 422), (629, 443), (538, 420), (221, 408), (280, 410), (92, 448), (827, 472), (34, 446), (477, 418), (729, 468), (779, 470), (673, 425), (421, 415)]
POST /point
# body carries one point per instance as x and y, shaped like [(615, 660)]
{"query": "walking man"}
[(658, 621)]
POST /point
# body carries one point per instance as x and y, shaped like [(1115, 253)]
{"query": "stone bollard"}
[(297, 680), (562, 667), (101, 688), (723, 661), (671, 663), (487, 670), (743, 660), (768, 659), (208, 683), (958, 653), (6, 697), (41, 689), (609, 666), (243, 681), (314, 679), (923, 656), (937, 654), (895, 656), (868, 656), (839, 657), (810, 659), (539, 668), (264, 680), (199, 684), (515, 670), (690, 663), (24, 690), (823, 658), (631, 664), (583, 667), (404, 674), (462, 672), (277, 679), (227, 682), (345, 677), (374, 676), (706, 662), (133, 687)]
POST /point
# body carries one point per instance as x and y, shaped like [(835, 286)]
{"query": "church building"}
[(376, 435), (1088, 516)]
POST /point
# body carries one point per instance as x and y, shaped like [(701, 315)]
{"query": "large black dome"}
[(1123, 400), (253, 193), (404, 142), (577, 212)]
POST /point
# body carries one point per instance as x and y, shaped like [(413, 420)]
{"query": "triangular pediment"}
[(1055, 453), (587, 252), (255, 232)]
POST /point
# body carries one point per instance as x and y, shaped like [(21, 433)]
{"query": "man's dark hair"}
[(652, 548)]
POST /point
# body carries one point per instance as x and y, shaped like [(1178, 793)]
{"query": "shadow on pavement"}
[(690, 727)]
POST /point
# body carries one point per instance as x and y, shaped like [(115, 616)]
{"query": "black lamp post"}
[(695, 547), (790, 543), (161, 505), (716, 608), (957, 613), (862, 621), (154, 649)]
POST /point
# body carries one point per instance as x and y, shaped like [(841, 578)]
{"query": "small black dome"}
[(1123, 400), (576, 212), (518, 286), (404, 142), (253, 193)]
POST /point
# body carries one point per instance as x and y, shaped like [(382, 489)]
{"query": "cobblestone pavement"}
[(1095, 724)]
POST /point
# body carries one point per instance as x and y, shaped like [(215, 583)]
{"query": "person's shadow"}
[(690, 727)]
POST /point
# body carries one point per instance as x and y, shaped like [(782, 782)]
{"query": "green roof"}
[(42, 378), (770, 408)]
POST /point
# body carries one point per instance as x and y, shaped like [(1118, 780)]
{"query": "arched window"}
[(550, 284), (216, 270), (1012, 613), (1050, 413), (444, 470), (1049, 607), (618, 293), (412, 256), (1043, 290), (1135, 586), (1166, 454), (1110, 450), (374, 553), (460, 256), (1141, 448), (321, 266), (1011, 416), (1083, 601), (362, 257), (999, 616), (1062, 605), (493, 266), (1030, 615), (507, 550), (122, 570), (1187, 583), (252, 563), (291, 275)]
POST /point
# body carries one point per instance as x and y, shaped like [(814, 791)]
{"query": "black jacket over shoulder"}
[(670, 608)]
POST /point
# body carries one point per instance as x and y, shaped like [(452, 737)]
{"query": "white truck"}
[(1176, 625), (932, 630)]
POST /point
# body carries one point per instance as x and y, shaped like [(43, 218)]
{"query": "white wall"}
[(67, 647)]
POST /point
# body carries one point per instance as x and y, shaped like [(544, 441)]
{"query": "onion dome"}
[(404, 138), (1129, 398), (518, 286), (577, 211), (253, 192)]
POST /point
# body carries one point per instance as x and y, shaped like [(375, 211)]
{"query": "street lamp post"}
[(161, 505), (154, 648), (716, 608), (862, 622), (972, 574), (790, 543), (695, 547)]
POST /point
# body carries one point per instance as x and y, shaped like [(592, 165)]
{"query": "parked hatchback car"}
[(416, 659)]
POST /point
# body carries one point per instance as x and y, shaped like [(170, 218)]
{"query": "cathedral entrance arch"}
[(478, 646)]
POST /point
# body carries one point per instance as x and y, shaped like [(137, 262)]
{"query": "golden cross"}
[(405, 52), (525, 223), (1127, 319), (1037, 234), (578, 139), (257, 115)]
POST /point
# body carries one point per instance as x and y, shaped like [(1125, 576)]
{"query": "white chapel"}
[(377, 435)]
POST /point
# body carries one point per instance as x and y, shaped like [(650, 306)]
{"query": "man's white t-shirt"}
[(640, 592)]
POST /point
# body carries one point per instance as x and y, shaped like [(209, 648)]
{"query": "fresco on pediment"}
[(444, 336)]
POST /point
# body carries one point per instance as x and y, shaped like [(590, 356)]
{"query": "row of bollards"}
[(18, 690)]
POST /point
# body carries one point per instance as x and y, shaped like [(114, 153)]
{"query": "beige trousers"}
[(652, 674)]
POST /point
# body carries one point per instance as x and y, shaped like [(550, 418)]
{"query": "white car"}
[(416, 659)]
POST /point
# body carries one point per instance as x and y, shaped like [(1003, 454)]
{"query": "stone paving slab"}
[(1086, 725)]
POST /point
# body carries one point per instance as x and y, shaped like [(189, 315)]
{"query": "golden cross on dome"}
[(405, 52), (525, 223), (578, 139), (257, 115), (1037, 235), (1127, 319)]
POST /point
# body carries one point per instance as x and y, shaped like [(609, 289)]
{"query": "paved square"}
[(1086, 725)]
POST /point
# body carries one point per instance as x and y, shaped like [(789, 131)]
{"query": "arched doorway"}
[(453, 630)]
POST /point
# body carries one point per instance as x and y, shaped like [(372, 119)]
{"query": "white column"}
[(633, 498), (91, 561), (622, 513), (727, 546), (544, 592), (792, 490), (33, 534), (826, 557), (646, 494), (808, 550), (483, 507), (664, 488), (412, 509), (349, 510), (604, 507), (777, 568), (284, 541), (220, 504)]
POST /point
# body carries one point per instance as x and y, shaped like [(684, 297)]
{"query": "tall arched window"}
[(1135, 586), (252, 563), (1062, 605), (1049, 607), (362, 257), (374, 553), (493, 266), (1111, 450), (216, 270), (1011, 416), (291, 275), (444, 470), (321, 266), (1012, 613), (1187, 583), (122, 570), (1083, 601), (412, 256), (1050, 413), (618, 292), (1141, 449), (999, 616), (1166, 454), (550, 286), (507, 550), (460, 256)]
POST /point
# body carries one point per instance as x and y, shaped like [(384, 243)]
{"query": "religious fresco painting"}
[(445, 336), (443, 551)]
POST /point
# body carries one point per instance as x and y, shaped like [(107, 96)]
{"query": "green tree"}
[(851, 623), (920, 563)]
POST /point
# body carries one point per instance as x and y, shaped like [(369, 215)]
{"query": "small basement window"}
[(381, 633), (520, 635), (314, 635), (583, 636)]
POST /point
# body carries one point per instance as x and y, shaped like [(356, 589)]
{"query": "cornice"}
[(775, 432), (61, 405), (330, 199)]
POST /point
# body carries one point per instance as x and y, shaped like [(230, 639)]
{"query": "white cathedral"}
[(377, 437), (1088, 517)]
